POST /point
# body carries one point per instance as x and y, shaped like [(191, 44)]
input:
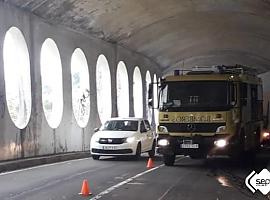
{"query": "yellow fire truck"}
[(209, 111)]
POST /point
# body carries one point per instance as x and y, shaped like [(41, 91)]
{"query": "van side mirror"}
[(96, 130), (143, 130)]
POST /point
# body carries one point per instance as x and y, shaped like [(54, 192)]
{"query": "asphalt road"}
[(128, 179)]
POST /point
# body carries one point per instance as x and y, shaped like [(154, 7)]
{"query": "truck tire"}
[(257, 140), (238, 150), (169, 160), (138, 151)]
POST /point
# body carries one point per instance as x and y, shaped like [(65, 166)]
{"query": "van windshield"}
[(120, 125)]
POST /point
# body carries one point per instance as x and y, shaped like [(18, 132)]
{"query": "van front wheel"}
[(138, 151), (95, 157)]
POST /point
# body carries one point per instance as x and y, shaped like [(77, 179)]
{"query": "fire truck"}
[(209, 111)]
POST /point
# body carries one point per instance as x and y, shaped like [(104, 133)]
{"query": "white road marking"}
[(110, 189), (167, 191), (51, 183), (136, 183), (41, 166), (170, 188), (107, 191)]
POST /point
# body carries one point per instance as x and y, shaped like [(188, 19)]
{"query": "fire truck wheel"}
[(169, 160)]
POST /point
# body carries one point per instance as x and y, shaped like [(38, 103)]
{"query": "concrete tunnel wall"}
[(38, 138)]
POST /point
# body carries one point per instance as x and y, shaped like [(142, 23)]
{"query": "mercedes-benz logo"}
[(191, 127)]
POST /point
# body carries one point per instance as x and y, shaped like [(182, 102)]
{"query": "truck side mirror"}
[(150, 91), (96, 130), (150, 102), (150, 95)]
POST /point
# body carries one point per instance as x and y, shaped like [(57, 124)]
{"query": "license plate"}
[(189, 146), (109, 147), (187, 141)]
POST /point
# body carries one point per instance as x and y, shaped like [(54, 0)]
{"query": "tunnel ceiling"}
[(172, 33)]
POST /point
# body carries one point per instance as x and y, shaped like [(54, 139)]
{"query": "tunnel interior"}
[(66, 66)]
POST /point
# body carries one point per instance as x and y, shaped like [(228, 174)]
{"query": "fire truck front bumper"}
[(196, 145)]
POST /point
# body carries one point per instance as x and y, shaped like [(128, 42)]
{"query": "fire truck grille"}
[(192, 127)]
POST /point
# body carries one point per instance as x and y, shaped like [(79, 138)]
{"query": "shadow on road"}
[(256, 164), (246, 162), (143, 158), (228, 172)]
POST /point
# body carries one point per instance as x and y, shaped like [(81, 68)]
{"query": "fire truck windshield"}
[(196, 96)]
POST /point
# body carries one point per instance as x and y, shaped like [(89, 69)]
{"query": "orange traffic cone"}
[(150, 163), (85, 191)]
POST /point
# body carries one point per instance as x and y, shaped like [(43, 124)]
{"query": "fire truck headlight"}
[(266, 135), (163, 142), (220, 143), (162, 129)]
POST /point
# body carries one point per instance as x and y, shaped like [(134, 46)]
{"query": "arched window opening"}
[(137, 93), (103, 83), (52, 82), (80, 87), (17, 77), (122, 90)]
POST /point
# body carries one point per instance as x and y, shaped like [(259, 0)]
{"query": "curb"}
[(11, 165)]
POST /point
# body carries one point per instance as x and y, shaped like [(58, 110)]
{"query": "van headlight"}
[(163, 142), (221, 143), (130, 139), (95, 138)]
